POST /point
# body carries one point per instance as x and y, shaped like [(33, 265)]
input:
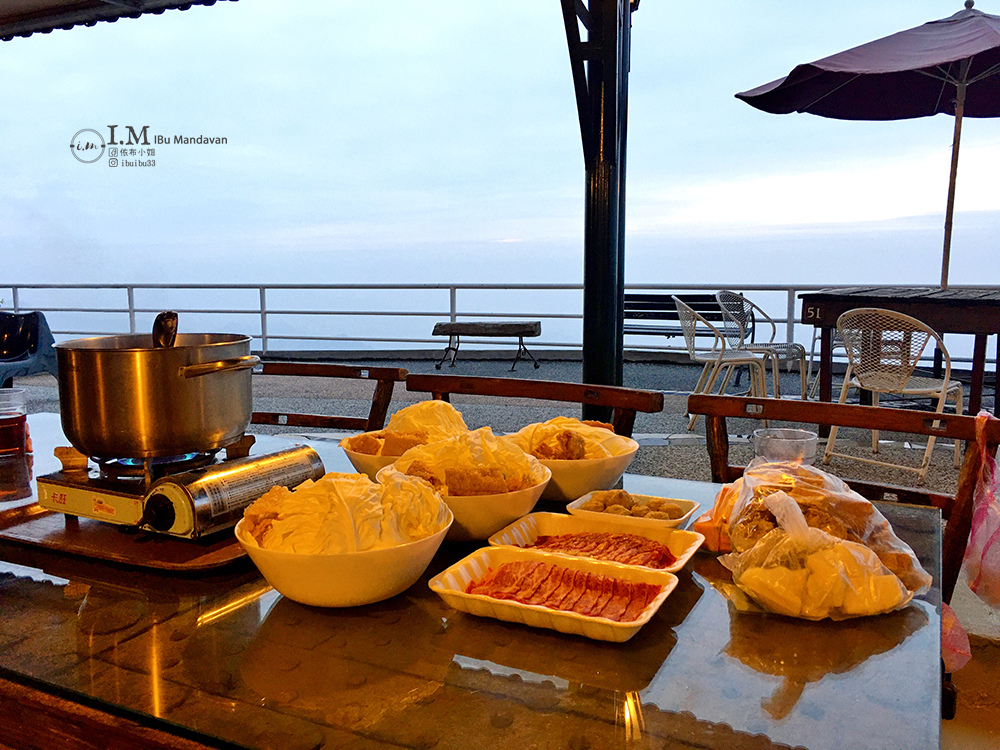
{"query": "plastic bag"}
[(955, 648), (714, 524), (982, 555), (828, 504), (802, 571)]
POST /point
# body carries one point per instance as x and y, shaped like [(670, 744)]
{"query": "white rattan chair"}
[(741, 318), (720, 360), (883, 349)]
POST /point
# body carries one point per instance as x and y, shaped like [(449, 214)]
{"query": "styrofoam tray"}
[(450, 585), (688, 506), (524, 532)]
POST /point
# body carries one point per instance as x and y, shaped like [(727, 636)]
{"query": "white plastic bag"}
[(802, 571)]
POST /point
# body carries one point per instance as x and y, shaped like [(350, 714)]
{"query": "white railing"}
[(331, 317)]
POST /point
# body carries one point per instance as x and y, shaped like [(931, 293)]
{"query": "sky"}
[(438, 141)]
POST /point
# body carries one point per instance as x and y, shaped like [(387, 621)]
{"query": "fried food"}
[(417, 424), (476, 481), (397, 443), (565, 446), (568, 439), (621, 503), (369, 443)]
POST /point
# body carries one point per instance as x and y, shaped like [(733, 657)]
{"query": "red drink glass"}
[(12, 421)]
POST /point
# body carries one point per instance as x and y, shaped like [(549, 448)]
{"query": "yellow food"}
[(473, 463), (417, 424), (569, 439)]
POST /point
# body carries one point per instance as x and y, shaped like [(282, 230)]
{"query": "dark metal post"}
[(600, 72)]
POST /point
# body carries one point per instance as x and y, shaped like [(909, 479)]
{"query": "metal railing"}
[(299, 317)]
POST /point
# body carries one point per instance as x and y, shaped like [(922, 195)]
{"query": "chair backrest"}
[(18, 334), (385, 379), (625, 402), (884, 347), (738, 317), (957, 509), (690, 320)]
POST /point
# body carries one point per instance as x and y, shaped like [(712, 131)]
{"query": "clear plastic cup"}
[(13, 418), (785, 444)]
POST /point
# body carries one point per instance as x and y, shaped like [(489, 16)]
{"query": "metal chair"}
[(741, 318), (836, 342), (721, 359), (883, 349)]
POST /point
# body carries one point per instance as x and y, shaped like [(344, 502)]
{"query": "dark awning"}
[(26, 17)]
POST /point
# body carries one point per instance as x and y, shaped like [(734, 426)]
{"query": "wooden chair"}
[(625, 402), (385, 377)]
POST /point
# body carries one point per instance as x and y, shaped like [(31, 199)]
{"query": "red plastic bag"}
[(982, 556), (955, 648)]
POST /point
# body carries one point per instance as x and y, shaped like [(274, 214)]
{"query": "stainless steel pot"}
[(123, 397)]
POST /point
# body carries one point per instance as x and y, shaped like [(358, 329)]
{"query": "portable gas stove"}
[(187, 496)]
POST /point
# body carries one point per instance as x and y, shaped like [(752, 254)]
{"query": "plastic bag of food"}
[(714, 524), (828, 504), (982, 555), (801, 571)]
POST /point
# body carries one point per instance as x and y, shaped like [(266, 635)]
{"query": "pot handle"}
[(222, 365)]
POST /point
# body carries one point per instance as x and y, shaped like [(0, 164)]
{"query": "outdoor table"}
[(93, 650), (956, 310)]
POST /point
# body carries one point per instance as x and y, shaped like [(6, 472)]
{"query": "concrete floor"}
[(666, 449)]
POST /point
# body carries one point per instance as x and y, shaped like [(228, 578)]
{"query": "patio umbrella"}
[(949, 66)]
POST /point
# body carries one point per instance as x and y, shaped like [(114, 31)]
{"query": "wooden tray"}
[(29, 523)]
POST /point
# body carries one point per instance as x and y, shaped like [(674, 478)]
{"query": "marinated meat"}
[(547, 585), (630, 549)]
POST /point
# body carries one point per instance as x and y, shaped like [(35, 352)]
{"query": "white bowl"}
[(344, 580), (688, 507), (480, 516), (573, 479), (368, 464)]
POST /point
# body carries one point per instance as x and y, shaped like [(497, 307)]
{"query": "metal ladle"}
[(164, 330)]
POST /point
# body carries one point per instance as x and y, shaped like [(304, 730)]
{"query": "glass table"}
[(219, 659)]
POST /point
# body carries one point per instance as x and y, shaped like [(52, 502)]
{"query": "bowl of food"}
[(486, 481), (636, 511), (582, 456), (344, 541), (416, 424)]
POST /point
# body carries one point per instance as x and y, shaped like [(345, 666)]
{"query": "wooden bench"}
[(625, 402), (656, 314), (520, 329), (385, 379)]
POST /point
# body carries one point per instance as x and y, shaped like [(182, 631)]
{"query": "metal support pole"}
[(600, 71)]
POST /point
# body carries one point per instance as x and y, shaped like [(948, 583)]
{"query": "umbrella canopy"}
[(948, 66)]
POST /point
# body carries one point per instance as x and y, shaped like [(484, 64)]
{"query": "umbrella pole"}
[(950, 210)]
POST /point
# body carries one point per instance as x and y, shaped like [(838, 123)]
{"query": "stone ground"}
[(666, 449)]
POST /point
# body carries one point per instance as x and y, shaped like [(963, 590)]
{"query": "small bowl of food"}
[(635, 511), (344, 541), (416, 424), (487, 481), (582, 456)]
